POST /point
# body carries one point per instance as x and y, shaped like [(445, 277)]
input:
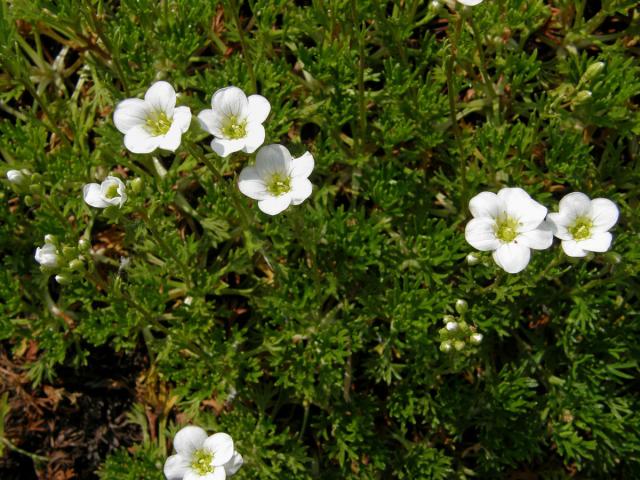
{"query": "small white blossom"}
[(583, 224), (451, 326), (111, 192), (277, 180), (476, 338), (470, 3), (47, 255), (154, 122), (201, 457), (235, 121), (509, 224)]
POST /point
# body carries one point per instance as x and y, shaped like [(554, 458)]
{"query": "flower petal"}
[(175, 467), (480, 233), (130, 113), (188, 440), (538, 239), (470, 3), (302, 166), (139, 140), (259, 108), (182, 118), (211, 122), (224, 147), (171, 139), (230, 101), (254, 138), (301, 188), (161, 97), (575, 204), (604, 214), (572, 249), (273, 158), (512, 257), (485, 204), (559, 224), (275, 205), (251, 184), (599, 242), (221, 445), (92, 194), (233, 465), (519, 205)]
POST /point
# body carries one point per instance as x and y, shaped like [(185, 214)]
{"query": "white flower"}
[(470, 3), (235, 121), (153, 122), (582, 224), (17, 177), (509, 224), (108, 193), (47, 255), (277, 180), (202, 457)]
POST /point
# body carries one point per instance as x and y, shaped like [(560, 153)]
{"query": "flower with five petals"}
[(202, 457), (509, 223), (583, 224), (154, 122), (277, 180), (235, 121)]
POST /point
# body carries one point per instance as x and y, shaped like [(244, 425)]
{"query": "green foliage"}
[(314, 335)]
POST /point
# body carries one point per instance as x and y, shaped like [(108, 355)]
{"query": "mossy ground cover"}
[(312, 337)]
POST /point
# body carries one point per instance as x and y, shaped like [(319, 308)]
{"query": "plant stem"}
[(451, 93), (243, 43), (32, 456)]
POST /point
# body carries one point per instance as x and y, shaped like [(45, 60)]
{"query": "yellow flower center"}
[(581, 228), (234, 129), (506, 229), (158, 123), (278, 184), (112, 191), (201, 462)]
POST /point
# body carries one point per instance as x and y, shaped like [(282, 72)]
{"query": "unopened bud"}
[(68, 251), (452, 326), (445, 347), (593, 71), (63, 279), (76, 264), (459, 345), (476, 338), (461, 306), (582, 96), (473, 259), (449, 318), (28, 201), (84, 244), (136, 185), (613, 258), (17, 177), (48, 238)]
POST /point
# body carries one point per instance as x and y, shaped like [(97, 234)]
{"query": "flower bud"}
[(445, 347), (452, 326), (28, 201), (449, 318), (68, 251), (36, 188), (76, 264), (473, 259), (459, 345), (612, 258), (461, 306), (47, 256), (84, 245), (476, 338), (17, 177), (63, 279), (137, 185), (593, 71), (52, 239), (581, 97)]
